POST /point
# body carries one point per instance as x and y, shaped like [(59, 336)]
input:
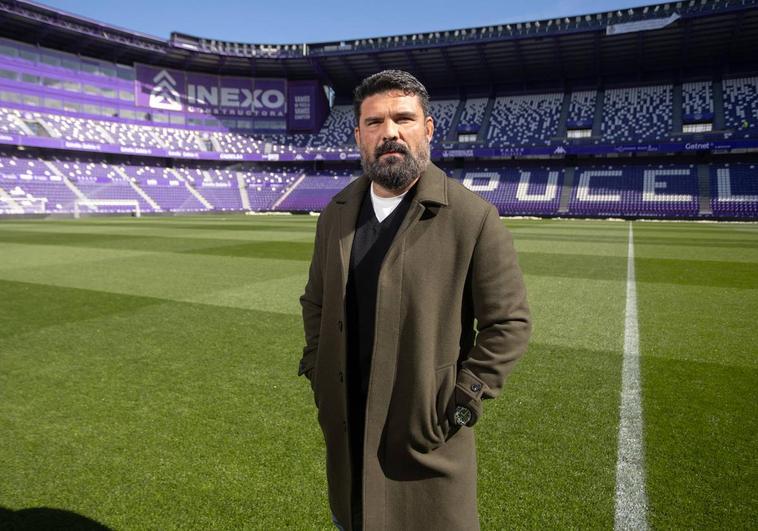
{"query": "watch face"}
[(462, 415)]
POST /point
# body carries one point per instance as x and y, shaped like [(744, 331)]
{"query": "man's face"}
[(393, 136)]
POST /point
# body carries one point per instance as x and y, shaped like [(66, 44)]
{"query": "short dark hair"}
[(387, 80)]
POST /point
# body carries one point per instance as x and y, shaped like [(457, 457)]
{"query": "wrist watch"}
[(462, 415)]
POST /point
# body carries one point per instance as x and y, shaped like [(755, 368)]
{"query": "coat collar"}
[(431, 194)]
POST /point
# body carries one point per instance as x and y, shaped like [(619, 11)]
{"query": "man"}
[(404, 260)]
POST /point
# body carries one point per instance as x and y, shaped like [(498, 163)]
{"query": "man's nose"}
[(390, 130)]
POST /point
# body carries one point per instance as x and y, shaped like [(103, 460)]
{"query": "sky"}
[(296, 21)]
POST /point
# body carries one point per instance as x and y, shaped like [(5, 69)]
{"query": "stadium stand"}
[(91, 129), (741, 105), (337, 130), (669, 191), (443, 112), (525, 120), (315, 190), (637, 114), (517, 192), (582, 109), (734, 191), (697, 102), (472, 116), (265, 187)]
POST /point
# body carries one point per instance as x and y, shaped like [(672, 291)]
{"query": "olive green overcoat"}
[(452, 261)]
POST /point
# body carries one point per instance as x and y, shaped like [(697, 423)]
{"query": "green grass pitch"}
[(148, 375)]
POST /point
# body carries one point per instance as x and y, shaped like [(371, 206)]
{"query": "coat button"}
[(475, 387), (339, 325), (340, 376)]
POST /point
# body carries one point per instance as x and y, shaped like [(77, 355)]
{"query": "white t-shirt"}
[(383, 206)]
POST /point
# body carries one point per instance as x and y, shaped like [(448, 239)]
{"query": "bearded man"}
[(405, 259)]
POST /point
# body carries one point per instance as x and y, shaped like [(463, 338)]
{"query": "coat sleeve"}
[(311, 305), (502, 313)]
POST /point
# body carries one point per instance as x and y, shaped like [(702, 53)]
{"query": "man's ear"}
[(357, 133), (429, 126)]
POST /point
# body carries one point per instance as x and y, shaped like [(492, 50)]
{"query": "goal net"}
[(117, 205)]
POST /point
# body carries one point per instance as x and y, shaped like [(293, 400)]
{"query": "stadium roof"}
[(681, 39)]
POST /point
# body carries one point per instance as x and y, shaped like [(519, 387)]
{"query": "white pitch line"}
[(631, 500)]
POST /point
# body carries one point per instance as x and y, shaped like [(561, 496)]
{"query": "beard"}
[(395, 173)]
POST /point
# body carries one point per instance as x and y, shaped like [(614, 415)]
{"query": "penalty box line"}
[(631, 499)]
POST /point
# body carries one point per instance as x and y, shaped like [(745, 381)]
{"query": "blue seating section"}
[(337, 129), (473, 115), (264, 187), (637, 114), (443, 112), (29, 185), (525, 120), (734, 191), (581, 112), (697, 102), (741, 105), (517, 192), (669, 190), (315, 191)]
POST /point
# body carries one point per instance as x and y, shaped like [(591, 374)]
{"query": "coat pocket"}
[(445, 378)]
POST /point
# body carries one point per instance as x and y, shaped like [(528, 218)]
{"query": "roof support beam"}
[(596, 56), (448, 63), (728, 51), (322, 74), (415, 66), (521, 65), (684, 48), (487, 67), (378, 65), (355, 78), (558, 63)]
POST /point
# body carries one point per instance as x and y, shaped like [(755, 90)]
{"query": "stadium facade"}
[(649, 112)]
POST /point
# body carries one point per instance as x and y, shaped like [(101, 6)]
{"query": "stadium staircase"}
[(452, 134), (199, 143), (287, 192), (566, 190), (676, 111), (52, 131), (70, 185), (18, 122), (482, 136), (717, 93), (704, 189), (217, 147), (12, 206), (150, 201), (560, 133), (191, 189), (597, 121), (242, 188), (104, 133)]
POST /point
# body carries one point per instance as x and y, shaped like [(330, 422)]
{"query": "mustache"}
[(391, 146)]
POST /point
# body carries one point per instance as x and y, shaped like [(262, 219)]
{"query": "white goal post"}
[(94, 203)]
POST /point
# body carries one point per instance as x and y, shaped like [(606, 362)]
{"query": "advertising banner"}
[(174, 90), (302, 105)]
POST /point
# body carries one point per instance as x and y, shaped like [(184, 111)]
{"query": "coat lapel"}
[(349, 201), (431, 193)]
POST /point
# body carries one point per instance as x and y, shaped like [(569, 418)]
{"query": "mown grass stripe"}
[(631, 500)]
